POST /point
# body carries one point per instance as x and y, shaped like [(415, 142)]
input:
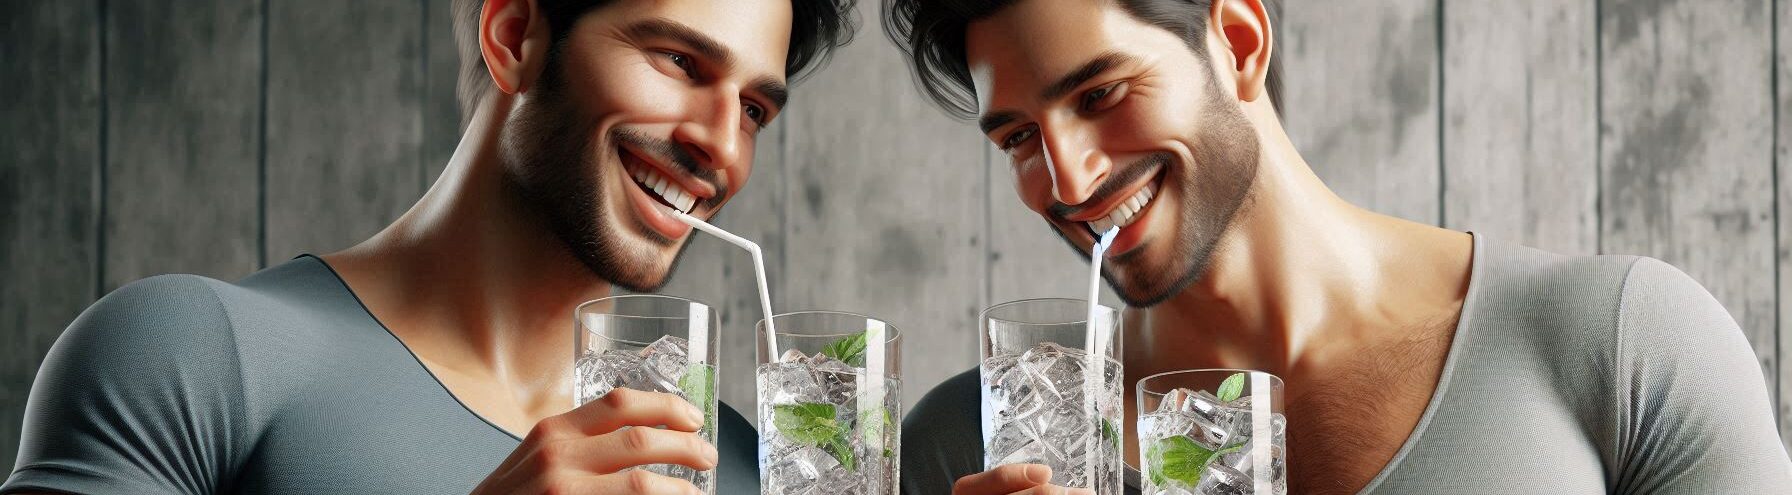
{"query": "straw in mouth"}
[(765, 296)]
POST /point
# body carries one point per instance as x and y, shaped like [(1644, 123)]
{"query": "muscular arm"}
[(1692, 406)]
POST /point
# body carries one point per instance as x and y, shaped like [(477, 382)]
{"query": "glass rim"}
[(1140, 384), (581, 307), (894, 333), (983, 316)]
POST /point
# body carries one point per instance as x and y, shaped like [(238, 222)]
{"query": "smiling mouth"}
[(1127, 211), (657, 186)]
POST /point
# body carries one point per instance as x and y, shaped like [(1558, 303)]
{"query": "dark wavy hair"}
[(817, 27), (932, 33)]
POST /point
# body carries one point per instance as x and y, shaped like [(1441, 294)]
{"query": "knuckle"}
[(640, 481), (618, 397), (637, 439)]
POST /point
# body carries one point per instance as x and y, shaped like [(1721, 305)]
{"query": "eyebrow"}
[(1059, 88), (709, 48)]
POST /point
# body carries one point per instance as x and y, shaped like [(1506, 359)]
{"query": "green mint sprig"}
[(849, 349), (1231, 388), (699, 387), (813, 424), (1177, 458)]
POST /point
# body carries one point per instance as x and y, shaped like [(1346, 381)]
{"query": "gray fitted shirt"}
[(280, 383), (1567, 374)]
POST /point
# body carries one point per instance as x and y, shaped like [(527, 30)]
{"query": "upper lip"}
[(703, 190), (1099, 208)]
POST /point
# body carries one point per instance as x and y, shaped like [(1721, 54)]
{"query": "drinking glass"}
[(1042, 400), (1212, 431), (652, 343), (829, 404)]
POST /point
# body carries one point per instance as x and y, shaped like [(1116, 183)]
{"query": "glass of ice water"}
[(652, 343), (1213, 432), (829, 405), (1038, 407)]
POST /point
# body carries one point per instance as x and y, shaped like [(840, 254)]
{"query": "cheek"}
[(1033, 183)]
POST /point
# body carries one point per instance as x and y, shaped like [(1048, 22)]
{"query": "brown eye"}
[(1017, 139), (1104, 97), (683, 62), (754, 113)]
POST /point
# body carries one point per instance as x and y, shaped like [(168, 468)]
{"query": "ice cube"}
[(793, 356), (1172, 401), (1202, 404), (1245, 457), (665, 363), (1165, 425), (598, 373), (1221, 479), (789, 383)]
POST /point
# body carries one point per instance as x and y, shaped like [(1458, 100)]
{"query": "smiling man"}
[(435, 357), (1416, 359)]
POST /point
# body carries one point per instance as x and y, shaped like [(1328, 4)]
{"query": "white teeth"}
[(666, 188), (1126, 211)]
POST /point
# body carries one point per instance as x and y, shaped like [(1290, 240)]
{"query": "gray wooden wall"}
[(219, 136)]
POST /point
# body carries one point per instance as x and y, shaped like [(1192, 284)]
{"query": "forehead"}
[(757, 32), (1026, 46)]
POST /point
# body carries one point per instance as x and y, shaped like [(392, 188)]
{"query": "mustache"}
[(1129, 174), (669, 152)]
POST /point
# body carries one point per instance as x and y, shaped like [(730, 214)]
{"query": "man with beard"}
[(1416, 359), (436, 354)]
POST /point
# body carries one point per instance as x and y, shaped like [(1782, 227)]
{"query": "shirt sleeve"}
[(143, 393), (1694, 415), (942, 437)]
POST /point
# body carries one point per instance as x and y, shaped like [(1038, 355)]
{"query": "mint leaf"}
[(699, 387), (872, 433), (813, 424), (1231, 388), (1108, 432), (1177, 459), (849, 349)]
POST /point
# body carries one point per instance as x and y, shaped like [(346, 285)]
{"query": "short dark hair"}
[(816, 28), (932, 33)]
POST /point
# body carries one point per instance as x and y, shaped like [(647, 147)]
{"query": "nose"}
[(1076, 165), (712, 134)]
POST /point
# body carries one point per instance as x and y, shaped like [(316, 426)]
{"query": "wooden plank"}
[(183, 138), (50, 53), (1366, 119), (1686, 148), (1520, 127), (1783, 159), (721, 275), (345, 121), (1027, 259), (885, 198), (441, 111)]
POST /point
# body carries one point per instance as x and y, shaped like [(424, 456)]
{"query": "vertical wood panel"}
[(1686, 147), (183, 83), (50, 58), (1361, 102), (1520, 127), (441, 111), (721, 275), (885, 206), (345, 121), (1783, 159)]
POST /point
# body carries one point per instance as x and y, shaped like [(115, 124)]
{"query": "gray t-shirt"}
[(279, 383), (1567, 374)]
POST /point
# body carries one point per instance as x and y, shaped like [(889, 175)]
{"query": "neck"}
[(1302, 278), (470, 278)]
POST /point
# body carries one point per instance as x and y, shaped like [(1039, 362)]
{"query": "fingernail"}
[(1039, 473), (714, 455)]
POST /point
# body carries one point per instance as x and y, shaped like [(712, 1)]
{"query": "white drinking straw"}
[(765, 296), (1093, 345)]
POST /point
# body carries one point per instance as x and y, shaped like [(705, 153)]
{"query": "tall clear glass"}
[(1036, 400), (1213, 431), (652, 343), (830, 403)]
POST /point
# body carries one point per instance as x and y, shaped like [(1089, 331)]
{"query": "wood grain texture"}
[(885, 198), (1686, 148), (1782, 15), (345, 121), (50, 55), (1520, 123), (183, 89), (441, 110), (720, 274), (1361, 101)]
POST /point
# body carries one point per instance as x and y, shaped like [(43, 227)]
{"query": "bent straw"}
[(1093, 345), (765, 296)]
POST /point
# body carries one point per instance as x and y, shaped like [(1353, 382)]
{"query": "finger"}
[(1007, 478), (635, 481), (630, 447), (1054, 490), (629, 407)]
